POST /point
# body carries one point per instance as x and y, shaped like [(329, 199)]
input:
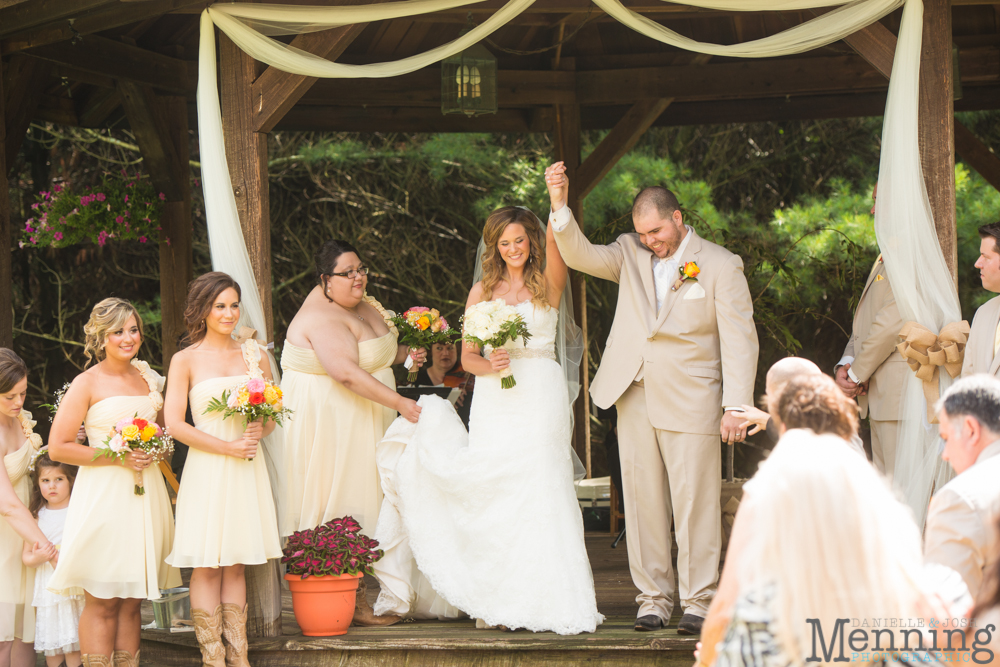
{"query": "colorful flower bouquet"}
[(254, 399), (422, 327), (132, 435), (493, 324), (335, 548)]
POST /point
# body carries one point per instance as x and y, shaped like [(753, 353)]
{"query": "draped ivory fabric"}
[(903, 222)]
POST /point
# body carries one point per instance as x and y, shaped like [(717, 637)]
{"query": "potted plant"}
[(323, 566)]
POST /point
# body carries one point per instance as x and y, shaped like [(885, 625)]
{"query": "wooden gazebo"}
[(564, 66)]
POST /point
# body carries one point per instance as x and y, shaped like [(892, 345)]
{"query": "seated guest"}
[(813, 503), (816, 403), (779, 375), (960, 521)]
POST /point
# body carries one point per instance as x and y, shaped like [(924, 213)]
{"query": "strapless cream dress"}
[(115, 542), (331, 437)]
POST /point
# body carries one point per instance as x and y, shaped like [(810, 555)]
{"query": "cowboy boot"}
[(95, 660), (124, 659), (364, 615), (234, 630), (208, 630)]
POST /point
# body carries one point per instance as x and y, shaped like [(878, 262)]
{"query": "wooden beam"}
[(6, 276), (107, 57), (101, 103), (277, 91), (937, 126), (24, 84), (38, 12), (351, 119), (975, 153), (106, 16), (567, 149), (618, 142), (159, 155), (176, 257)]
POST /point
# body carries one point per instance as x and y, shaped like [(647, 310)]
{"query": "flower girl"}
[(57, 617)]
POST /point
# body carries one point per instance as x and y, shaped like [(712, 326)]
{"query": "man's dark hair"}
[(991, 231), (978, 397), (659, 198)]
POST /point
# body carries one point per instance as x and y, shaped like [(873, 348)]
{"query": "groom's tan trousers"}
[(664, 473)]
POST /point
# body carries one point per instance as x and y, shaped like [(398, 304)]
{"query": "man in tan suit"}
[(961, 521), (871, 369), (678, 352), (981, 352)]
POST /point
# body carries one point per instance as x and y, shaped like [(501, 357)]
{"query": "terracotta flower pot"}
[(323, 606)]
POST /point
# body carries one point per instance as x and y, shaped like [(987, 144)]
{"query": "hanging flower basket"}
[(124, 207), (324, 566)]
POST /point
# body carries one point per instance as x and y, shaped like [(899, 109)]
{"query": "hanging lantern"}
[(469, 82)]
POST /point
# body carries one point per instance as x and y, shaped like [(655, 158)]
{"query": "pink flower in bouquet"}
[(256, 386), (234, 400), (123, 424), (117, 443), (159, 431)]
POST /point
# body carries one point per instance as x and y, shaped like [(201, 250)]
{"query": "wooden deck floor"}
[(442, 644)]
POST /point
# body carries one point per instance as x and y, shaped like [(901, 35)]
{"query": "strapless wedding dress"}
[(486, 522)]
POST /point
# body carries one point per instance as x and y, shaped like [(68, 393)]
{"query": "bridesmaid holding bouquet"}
[(115, 541), (225, 512)]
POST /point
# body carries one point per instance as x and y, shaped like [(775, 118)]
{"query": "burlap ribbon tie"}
[(245, 334), (926, 353)]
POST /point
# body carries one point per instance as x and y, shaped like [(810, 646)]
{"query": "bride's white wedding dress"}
[(486, 522)]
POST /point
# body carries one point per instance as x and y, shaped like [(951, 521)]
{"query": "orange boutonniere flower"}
[(689, 271)]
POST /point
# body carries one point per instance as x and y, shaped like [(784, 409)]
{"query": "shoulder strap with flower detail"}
[(27, 428), (387, 315), (154, 380), (251, 356)]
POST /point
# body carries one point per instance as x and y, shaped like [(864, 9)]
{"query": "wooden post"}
[(567, 146), (246, 152), (937, 125), (6, 291), (176, 261)]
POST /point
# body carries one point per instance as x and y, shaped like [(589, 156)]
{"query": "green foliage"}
[(122, 207)]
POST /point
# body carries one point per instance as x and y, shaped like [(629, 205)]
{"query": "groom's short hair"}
[(657, 197), (991, 231)]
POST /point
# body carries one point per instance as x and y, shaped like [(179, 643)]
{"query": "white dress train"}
[(486, 522)]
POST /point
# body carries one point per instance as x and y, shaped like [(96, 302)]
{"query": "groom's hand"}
[(558, 184), (731, 428)]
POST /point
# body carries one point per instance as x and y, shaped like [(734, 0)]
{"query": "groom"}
[(683, 346)]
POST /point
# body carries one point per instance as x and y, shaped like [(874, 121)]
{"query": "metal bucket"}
[(173, 606)]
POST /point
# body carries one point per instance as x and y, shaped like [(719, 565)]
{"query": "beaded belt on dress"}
[(532, 353)]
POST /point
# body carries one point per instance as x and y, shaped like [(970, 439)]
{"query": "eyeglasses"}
[(353, 273)]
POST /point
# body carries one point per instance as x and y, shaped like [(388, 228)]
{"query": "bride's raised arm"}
[(556, 270)]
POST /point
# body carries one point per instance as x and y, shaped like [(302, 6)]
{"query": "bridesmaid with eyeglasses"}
[(337, 363)]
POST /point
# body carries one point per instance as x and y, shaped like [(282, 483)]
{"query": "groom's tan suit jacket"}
[(697, 354), (979, 357)]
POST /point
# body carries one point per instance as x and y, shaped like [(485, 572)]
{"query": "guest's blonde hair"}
[(108, 315), (493, 264), (831, 538)]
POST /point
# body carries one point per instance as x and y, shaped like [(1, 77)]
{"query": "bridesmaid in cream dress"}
[(225, 512), (18, 444), (338, 379), (115, 542)]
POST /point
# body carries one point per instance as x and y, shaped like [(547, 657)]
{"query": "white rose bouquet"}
[(493, 324)]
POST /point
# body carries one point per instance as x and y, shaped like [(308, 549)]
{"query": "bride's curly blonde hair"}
[(493, 264), (108, 315)]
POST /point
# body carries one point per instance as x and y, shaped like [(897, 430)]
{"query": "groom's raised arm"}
[(600, 261)]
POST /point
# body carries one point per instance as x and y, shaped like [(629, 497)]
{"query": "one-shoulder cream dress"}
[(330, 441), (17, 581), (225, 512), (115, 542)]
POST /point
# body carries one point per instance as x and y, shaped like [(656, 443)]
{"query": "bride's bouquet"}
[(493, 324), (422, 327), (132, 435), (254, 399)]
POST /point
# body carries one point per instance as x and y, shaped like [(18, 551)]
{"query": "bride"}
[(486, 523)]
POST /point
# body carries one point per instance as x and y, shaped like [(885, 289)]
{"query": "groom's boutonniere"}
[(688, 271)]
